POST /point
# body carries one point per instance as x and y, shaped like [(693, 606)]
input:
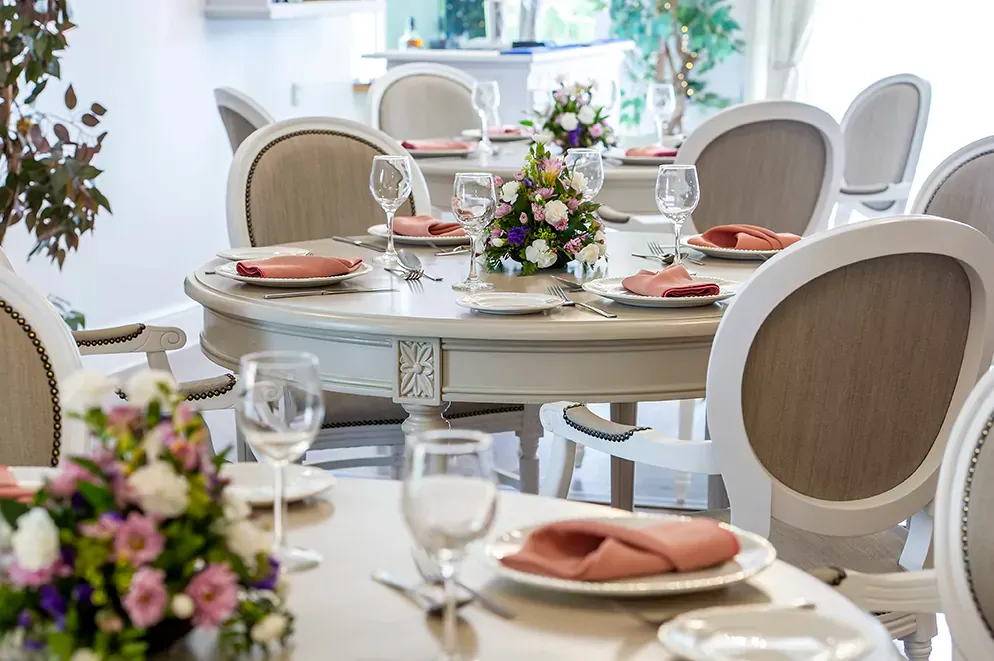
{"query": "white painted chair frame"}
[(855, 197), (380, 86), (238, 234), (242, 104), (946, 169)]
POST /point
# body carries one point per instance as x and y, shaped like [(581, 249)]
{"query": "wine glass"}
[(588, 162), (486, 99), (280, 412), (661, 101), (677, 195), (390, 184), (449, 500), (542, 102), (474, 202)]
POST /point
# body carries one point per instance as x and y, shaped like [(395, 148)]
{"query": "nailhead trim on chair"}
[(217, 392), (53, 384), (398, 421), (965, 517), (258, 157), (949, 176), (583, 429), (112, 340)]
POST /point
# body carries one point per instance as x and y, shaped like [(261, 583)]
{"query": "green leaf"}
[(89, 465), (60, 644), (11, 510), (99, 498)]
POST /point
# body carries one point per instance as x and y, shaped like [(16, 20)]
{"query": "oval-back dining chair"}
[(241, 114), (423, 100), (962, 187)]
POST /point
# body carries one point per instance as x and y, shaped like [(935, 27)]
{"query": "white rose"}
[(587, 115), (578, 181), (36, 540), (601, 242), (556, 212), (568, 121), (160, 489), (268, 629), (235, 508), (182, 606), (246, 540), (83, 390), (540, 253), (509, 192), (84, 654), (147, 386), (497, 242), (590, 254), (543, 137)]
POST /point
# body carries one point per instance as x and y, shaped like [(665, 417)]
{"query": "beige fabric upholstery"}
[(979, 546), (426, 106), (841, 400), (31, 420), (237, 127), (967, 195), (343, 410), (767, 173), (878, 135), (312, 184)]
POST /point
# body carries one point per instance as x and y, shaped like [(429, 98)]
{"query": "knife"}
[(323, 292), (361, 244)]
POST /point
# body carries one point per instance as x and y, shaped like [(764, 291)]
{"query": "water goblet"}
[(661, 102), (587, 162), (390, 184), (677, 195), (474, 203), (486, 99)]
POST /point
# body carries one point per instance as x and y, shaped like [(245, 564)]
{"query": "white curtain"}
[(790, 31)]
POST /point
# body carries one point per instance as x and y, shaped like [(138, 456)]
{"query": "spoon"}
[(430, 606), (412, 262)]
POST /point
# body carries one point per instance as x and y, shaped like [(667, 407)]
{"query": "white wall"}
[(154, 64)]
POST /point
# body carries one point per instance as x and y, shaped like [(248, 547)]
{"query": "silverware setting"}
[(570, 285), (661, 253), (409, 261), (361, 244), (557, 290), (324, 292), (656, 622), (405, 274), (433, 607), (458, 250), (431, 573)]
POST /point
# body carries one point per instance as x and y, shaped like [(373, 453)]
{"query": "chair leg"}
[(843, 212), (396, 461), (581, 452), (685, 430), (917, 553), (559, 472), (918, 645)]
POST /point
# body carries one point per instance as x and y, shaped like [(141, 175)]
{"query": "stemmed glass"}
[(474, 202), (677, 195), (588, 162), (390, 184), (662, 104), (449, 500), (280, 413), (486, 99)]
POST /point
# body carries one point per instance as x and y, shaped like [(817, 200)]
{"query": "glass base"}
[(386, 259), (485, 148), (293, 559), (473, 285)]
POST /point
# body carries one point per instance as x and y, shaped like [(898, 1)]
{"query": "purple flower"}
[(138, 540), (272, 577), (516, 235), (34, 645), (538, 211), (82, 593), (24, 619), (52, 602), (504, 209), (574, 136), (528, 183)]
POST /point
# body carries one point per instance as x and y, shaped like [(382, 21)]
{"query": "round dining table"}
[(342, 614), (417, 346), (627, 188)]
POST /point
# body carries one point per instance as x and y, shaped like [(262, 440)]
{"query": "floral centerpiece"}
[(574, 121), (543, 219), (123, 552)]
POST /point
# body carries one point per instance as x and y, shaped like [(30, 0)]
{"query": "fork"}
[(557, 290), (442, 252), (410, 275), (659, 251)]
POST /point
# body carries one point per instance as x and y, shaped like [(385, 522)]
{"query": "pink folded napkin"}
[(585, 550), (744, 237), (435, 144), (671, 282), (507, 129), (652, 151), (425, 226), (298, 266), (10, 489)]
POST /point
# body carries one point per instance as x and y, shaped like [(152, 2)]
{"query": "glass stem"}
[(278, 539), (449, 637), (660, 130), (473, 254), (485, 132), (390, 249), (677, 257)]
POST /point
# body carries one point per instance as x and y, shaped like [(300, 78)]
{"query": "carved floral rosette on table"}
[(542, 219), (123, 552), (574, 121)]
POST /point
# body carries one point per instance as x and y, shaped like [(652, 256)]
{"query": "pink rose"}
[(138, 540), (146, 599), (123, 417), (186, 453), (596, 130), (519, 176), (215, 595), (498, 181), (523, 218), (574, 245), (561, 96), (63, 485)]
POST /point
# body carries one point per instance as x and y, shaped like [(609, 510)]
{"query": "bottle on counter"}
[(410, 38)]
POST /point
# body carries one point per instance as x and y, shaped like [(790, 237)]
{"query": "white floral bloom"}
[(160, 489), (543, 137), (84, 390), (84, 654), (246, 540), (268, 629), (182, 606), (540, 253), (577, 88), (497, 242), (587, 115), (509, 192), (590, 254), (36, 540), (556, 211), (234, 506), (601, 240), (578, 181), (146, 387), (568, 121), (282, 587)]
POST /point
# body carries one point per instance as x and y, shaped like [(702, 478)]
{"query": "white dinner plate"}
[(755, 555), (441, 153), (474, 134), (613, 289), (619, 155), (32, 477), (381, 231), (253, 482), (763, 633), (502, 302), (261, 252), (230, 270), (729, 253)]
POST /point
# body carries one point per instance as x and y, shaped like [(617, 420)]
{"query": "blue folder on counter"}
[(525, 50)]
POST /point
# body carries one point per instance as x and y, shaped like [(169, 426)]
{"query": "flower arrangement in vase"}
[(573, 120), (543, 219), (122, 553)]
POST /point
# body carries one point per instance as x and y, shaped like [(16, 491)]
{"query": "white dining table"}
[(342, 614), (417, 346)]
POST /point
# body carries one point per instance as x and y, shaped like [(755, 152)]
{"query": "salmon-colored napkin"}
[(10, 489), (435, 144), (652, 151), (425, 226), (671, 282), (585, 550), (507, 129), (298, 266), (744, 237)]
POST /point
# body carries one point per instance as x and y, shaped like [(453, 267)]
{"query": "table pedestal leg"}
[(531, 432), (622, 470), (421, 418)]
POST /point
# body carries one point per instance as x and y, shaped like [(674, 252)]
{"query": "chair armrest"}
[(211, 394), (898, 592), (578, 424), (874, 192), (133, 338)]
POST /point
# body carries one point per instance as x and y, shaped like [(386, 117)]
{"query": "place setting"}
[(661, 102)]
